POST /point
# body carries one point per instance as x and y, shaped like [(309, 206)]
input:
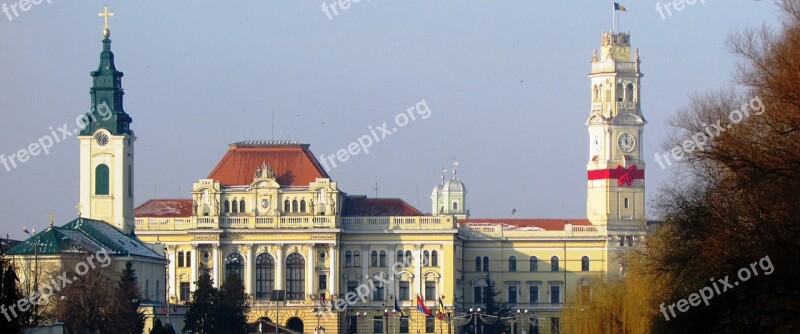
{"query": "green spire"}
[(106, 94)]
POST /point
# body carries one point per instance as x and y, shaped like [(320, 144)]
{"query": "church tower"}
[(616, 196), (106, 147), (449, 197)]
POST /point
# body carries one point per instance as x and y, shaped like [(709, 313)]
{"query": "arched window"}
[(374, 259), (101, 180), (295, 277), (554, 263), (434, 258), (534, 263), (455, 205), (486, 263), (629, 93), (409, 258), (399, 257), (180, 259), (620, 92), (234, 267), (348, 259), (303, 205), (241, 207), (383, 258), (594, 93), (512, 263), (189, 258), (226, 206), (265, 275), (426, 258), (585, 263), (477, 263), (286, 207), (294, 205), (234, 207), (357, 258)]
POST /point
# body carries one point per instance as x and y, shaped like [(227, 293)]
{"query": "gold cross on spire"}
[(105, 14), (50, 217)]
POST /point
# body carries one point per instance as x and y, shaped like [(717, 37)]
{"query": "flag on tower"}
[(619, 7), (421, 306)]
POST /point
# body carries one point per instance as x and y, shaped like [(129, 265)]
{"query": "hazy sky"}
[(505, 82)]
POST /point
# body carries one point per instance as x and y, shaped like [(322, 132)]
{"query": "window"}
[(430, 290), (234, 207), (294, 205), (426, 258), (555, 294), (357, 258), (403, 325), (455, 205), (101, 179), (512, 263), (435, 258), (622, 241), (374, 258), (377, 325), (226, 207), (399, 257), (430, 324), (351, 286), (377, 293), (630, 240), (323, 282), (477, 263), (242, 207), (352, 324), (383, 258), (189, 258), (404, 292), (348, 259), (477, 294), (184, 293), (533, 294), (295, 277), (513, 292), (554, 263), (486, 263), (409, 258), (265, 275), (626, 202), (180, 259), (234, 266), (534, 263), (555, 326), (303, 205), (585, 263), (286, 206), (130, 181)]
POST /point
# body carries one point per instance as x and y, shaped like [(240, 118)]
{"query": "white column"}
[(365, 262), (280, 282), (194, 266), (418, 270), (215, 267), (333, 273), (249, 267), (310, 268), (442, 275), (172, 252)]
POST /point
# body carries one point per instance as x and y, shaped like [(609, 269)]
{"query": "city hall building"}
[(268, 214)]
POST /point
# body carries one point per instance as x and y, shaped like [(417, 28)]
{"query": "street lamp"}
[(475, 314), (361, 316), (318, 312), (517, 317)]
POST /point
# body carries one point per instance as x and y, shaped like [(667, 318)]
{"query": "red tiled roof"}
[(165, 207), (553, 224), (293, 163), (362, 206)]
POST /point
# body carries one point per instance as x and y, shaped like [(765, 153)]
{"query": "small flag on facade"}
[(421, 306), (619, 7), (441, 314), (397, 307)]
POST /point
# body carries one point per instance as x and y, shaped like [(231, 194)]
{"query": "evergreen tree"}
[(200, 318), (158, 328), (10, 293), (494, 306), (125, 314), (232, 307)]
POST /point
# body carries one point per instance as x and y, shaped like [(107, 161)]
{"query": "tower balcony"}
[(614, 67), (626, 107)]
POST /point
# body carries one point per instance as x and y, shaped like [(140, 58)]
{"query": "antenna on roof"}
[(376, 189), (513, 211)]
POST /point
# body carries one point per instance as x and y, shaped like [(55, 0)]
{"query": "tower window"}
[(101, 180), (627, 202), (455, 205), (130, 181)]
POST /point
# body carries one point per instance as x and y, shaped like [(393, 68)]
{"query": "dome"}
[(437, 191), (454, 186)]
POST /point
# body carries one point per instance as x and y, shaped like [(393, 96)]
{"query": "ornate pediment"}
[(628, 118)]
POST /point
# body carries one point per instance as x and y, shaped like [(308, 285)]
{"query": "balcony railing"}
[(234, 222), (398, 223)]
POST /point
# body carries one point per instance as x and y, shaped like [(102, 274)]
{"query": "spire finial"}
[(444, 172), (50, 217), (455, 164), (105, 14)]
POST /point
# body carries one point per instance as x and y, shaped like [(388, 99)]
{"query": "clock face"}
[(626, 142), (595, 144), (101, 139)]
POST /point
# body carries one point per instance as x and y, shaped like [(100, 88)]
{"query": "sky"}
[(504, 82)]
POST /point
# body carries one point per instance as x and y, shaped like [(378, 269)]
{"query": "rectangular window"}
[(430, 324), (627, 200), (622, 241), (185, 293), (477, 295), (348, 259), (377, 294), (513, 291), (630, 240), (377, 325), (180, 259), (323, 282), (555, 326), (352, 324), (555, 294), (533, 294), (403, 325), (351, 286), (430, 290), (404, 293), (189, 259)]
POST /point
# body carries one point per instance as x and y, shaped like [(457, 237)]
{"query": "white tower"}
[(106, 149)]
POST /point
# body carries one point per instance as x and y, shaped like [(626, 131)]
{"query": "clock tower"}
[(106, 148), (616, 196)]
